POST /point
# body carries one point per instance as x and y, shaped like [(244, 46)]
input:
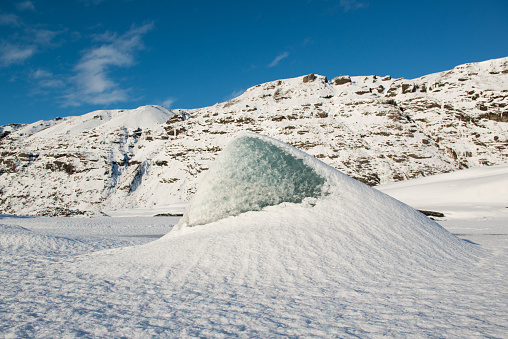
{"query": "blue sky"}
[(60, 58)]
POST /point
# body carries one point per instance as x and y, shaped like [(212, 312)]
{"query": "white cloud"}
[(43, 37), (46, 79), (105, 37), (93, 83), (25, 6), (9, 20), (277, 59), (168, 102), (349, 5), (23, 46), (234, 94), (41, 73), (14, 54), (51, 83)]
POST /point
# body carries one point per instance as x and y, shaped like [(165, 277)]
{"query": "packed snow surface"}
[(475, 192), (353, 262)]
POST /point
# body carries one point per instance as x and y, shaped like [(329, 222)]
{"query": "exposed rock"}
[(432, 213), (60, 166), (309, 78), (279, 94), (62, 212), (4, 134), (363, 91), (168, 215), (341, 80), (501, 117), (408, 88)]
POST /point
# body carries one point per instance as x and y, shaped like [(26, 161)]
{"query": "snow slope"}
[(99, 121), (353, 262), (476, 192)]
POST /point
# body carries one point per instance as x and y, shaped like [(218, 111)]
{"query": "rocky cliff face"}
[(376, 129)]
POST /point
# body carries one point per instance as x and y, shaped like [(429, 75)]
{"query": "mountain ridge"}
[(375, 129)]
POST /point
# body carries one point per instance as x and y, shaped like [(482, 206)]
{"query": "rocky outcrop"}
[(309, 78), (341, 80)]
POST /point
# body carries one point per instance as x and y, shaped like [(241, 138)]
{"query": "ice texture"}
[(249, 174)]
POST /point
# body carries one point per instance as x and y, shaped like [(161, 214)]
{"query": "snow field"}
[(245, 282)]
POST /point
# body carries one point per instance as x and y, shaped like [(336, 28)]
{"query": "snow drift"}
[(334, 229), (16, 239)]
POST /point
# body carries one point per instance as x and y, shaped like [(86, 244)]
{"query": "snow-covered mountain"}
[(374, 128)]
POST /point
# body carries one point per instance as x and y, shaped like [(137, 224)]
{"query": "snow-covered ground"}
[(474, 202), (474, 193), (353, 264)]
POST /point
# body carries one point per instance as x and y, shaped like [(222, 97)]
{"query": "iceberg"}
[(251, 173)]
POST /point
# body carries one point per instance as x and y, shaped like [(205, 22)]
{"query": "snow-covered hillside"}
[(374, 128)]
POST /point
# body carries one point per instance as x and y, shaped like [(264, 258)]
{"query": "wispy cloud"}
[(105, 37), (41, 73), (351, 5), (168, 102), (14, 54), (25, 6), (24, 41), (9, 20), (91, 2), (93, 83), (277, 59), (234, 94), (46, 79), (42, 37)]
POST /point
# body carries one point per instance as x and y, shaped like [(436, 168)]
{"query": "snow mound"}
[(19, 239), (336, 230)]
